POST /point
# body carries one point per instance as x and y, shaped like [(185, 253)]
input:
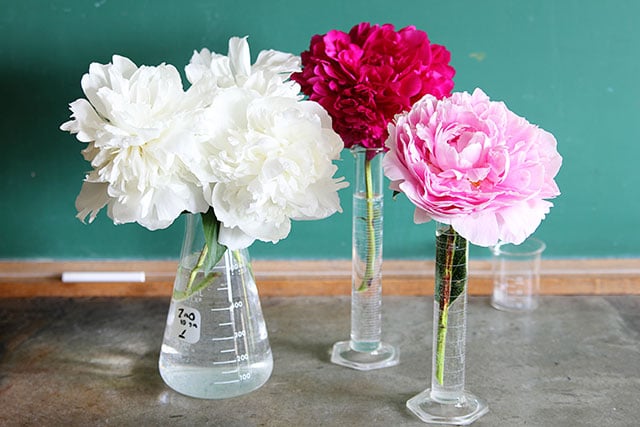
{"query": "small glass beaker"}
[(516, 275)]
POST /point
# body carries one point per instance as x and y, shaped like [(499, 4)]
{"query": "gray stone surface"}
[(573, 362)]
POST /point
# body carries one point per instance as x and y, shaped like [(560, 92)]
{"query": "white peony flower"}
[(136, 121), (240, 145), (268, 75), (268, 156), (270, 160)]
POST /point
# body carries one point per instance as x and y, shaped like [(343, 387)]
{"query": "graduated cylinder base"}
[(462, 411), (383, 356)]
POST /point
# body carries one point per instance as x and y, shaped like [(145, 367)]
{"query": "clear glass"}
[(365, 350), (215, 342), (453, 368), (447, 401), (516, 275)]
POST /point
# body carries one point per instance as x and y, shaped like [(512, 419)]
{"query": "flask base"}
[(214, 383), (464, 410), (384, 356)]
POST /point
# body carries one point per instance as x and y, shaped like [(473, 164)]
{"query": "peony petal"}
[(198, 65), (520, 221), (234, 238), (481, 229), (239, 58), (420, 216), (92, 198), (86, 123), (392, 166), (273, 61)]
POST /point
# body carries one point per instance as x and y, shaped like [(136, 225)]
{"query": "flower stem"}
[(193, 287), (442, 341), (371, 232), (444, 295), (197, 267)]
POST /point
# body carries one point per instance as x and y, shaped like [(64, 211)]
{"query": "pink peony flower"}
[(366, 77), (469, 162)]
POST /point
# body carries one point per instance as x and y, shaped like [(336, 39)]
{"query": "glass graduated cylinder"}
[(215, 344), (367, 261)]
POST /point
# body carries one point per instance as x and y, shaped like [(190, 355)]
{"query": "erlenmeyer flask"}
[(215, 342)]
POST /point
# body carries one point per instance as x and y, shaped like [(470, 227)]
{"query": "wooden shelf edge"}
[(22, 279)]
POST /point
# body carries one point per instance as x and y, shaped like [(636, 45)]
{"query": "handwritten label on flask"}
[(187, 324)]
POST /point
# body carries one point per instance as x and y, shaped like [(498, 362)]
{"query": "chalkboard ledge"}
[(313, 278)]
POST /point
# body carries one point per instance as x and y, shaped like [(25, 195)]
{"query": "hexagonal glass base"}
[(384, 356), (462, 411)]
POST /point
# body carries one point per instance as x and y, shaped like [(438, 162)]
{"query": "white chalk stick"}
[(103, 276)]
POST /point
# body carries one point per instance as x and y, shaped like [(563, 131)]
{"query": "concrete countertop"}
[(575, 361)]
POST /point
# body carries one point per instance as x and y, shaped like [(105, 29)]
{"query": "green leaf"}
[(451, 265), (211, 228), (206, 281), (451, 279)]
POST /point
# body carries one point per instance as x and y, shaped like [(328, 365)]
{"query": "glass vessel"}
[(516, 275), (365, 350), (215, 342), (447, 401)]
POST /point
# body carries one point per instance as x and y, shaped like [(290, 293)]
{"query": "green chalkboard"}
[(570, 66)]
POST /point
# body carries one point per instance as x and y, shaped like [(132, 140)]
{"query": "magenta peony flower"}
[(469, 162), (366, 77)]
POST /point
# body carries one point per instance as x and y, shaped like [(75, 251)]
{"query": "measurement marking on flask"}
[(227, 382), (226, 362), (230, 317), (223, 339)]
